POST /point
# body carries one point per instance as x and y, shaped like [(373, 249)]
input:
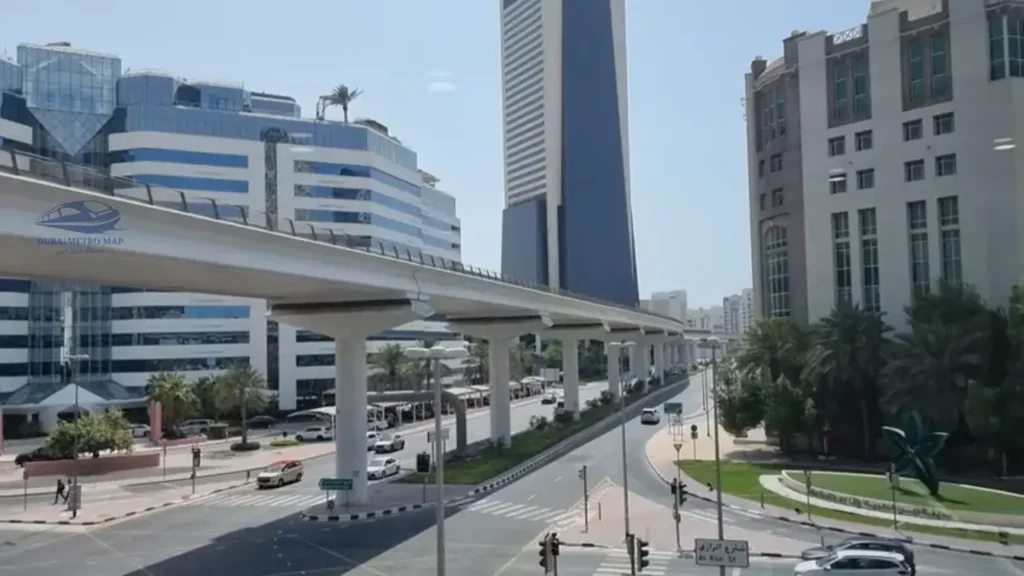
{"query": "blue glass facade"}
[(595, 237)]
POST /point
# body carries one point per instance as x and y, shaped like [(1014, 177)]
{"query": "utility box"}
[(423, 462)]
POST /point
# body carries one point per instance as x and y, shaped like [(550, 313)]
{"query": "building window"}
[(996, 46), (778, 199), (780, 107), (776, 165), (949, 232), (913, 170), (945, 165), (1014, 30), (943, 124), (871, 299), (940, 65), (861, 97), (864, 140), (841, 255), (866, 179), (841, 106), (913, 130), (837, 184), (763, 200), (917, 225), (916, 53), (776, 257), (837, 146), (773, 113), (760, 168)]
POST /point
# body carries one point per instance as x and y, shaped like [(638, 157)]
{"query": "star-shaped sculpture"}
[(915, 449)]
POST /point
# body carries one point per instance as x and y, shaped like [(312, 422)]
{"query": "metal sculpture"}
[(914, 448)]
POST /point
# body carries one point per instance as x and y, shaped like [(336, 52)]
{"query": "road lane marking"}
[(532, 496)]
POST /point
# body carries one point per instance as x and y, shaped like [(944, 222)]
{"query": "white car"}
[(392, 443), (376, 425), (380, 468), (650, 416), (140, 431), (371, 440), (197, 426), (318, 433), (279, 473), (855, 563)]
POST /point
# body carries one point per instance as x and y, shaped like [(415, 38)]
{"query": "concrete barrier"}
[(92, 466)]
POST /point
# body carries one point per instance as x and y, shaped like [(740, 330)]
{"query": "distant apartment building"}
[(669, 303), (712, 318), (737, 312)]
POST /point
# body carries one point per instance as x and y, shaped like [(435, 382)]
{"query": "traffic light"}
[(682, 493), (641, 554), (554, 545), (423, 462), (546, 558), (675, 486)]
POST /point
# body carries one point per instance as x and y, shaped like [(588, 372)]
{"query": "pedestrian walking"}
[(61, 492)]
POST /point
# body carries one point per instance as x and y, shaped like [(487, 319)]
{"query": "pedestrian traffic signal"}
[(546, 558), (682, 493), (641, 554)]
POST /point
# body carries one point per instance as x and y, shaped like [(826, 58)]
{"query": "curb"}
[(527, 467), (124, 516), (788, 520)]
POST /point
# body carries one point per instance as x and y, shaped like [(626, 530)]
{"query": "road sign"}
[(728, 553), (444, 435), (673, 408), (338, 484)]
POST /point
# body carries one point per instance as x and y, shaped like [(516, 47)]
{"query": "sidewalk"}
[(661, 457), (222, 462), (110, 510)]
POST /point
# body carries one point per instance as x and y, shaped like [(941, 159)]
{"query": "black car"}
[(262, 422), (37, 455), (863, 543)]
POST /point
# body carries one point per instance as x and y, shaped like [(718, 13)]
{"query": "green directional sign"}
[(338, 484), (673, 408)]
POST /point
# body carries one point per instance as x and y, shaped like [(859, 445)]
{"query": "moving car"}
[(140, 430), (380, 468), (855, 563), (392, 443), (197, 426), (862, 543), (549, 398), (262, 421), (318, 433), (650, 416), (279, 473)]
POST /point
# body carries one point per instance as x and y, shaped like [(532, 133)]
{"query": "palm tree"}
[(176, 397), (476, 365), (390, 361), (342, 96), (773, 347), (244, 388), (520, 361), (421, 371), (847, 351), (205, 390)]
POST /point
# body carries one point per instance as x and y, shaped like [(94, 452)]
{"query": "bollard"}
[(762, 498), (598, 510)]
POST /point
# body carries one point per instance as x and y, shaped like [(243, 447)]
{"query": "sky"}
[(430, 71)]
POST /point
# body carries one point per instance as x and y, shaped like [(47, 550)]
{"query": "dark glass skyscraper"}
[(567, 220)]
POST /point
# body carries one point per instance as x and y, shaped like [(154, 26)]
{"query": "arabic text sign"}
[(728, 553)]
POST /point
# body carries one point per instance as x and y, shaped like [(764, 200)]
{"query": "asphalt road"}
[(262, 541)]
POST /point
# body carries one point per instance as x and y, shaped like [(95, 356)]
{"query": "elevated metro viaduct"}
[(312, 278)]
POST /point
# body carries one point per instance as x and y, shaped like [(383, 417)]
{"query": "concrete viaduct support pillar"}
[(614, 370), (501, 403), (659, 361), (571, 375), (350, 418)]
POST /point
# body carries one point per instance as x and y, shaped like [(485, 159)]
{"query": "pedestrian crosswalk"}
[(557, 516), (258, 498), (617, 562)]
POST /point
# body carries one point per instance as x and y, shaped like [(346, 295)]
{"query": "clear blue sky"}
[(686, 66)]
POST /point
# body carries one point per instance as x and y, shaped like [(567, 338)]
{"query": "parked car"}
[(280, 473), (262, 421), (392, 443), (862, 543), (650, 416), (371, 440), (380, 468), (376, 425), (197, 426), (549, 398), (140, 430), (318, 433), (855, 563), (38, 455)]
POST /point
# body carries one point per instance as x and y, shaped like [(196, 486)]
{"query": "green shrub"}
[(284, 442), (245, 446)]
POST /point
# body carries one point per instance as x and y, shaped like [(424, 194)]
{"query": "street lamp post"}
[(436, 355), (713, 343), (71, 363), (614, 350)]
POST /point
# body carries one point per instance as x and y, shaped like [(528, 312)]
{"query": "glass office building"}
[(213, 141)]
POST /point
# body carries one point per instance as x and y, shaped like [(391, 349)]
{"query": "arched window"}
[(776, 271)]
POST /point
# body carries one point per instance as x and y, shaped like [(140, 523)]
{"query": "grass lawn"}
[(742, 479), (490, 462), (913, 493)]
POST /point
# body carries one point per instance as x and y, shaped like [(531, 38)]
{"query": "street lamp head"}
[(416, 352), (448, 353)]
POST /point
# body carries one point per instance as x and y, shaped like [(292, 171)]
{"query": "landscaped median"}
[(743, 479), (492, 462)]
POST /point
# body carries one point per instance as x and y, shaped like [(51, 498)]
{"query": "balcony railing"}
[(51, 170)]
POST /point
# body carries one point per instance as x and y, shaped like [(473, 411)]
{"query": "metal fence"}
[(31, 165)]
